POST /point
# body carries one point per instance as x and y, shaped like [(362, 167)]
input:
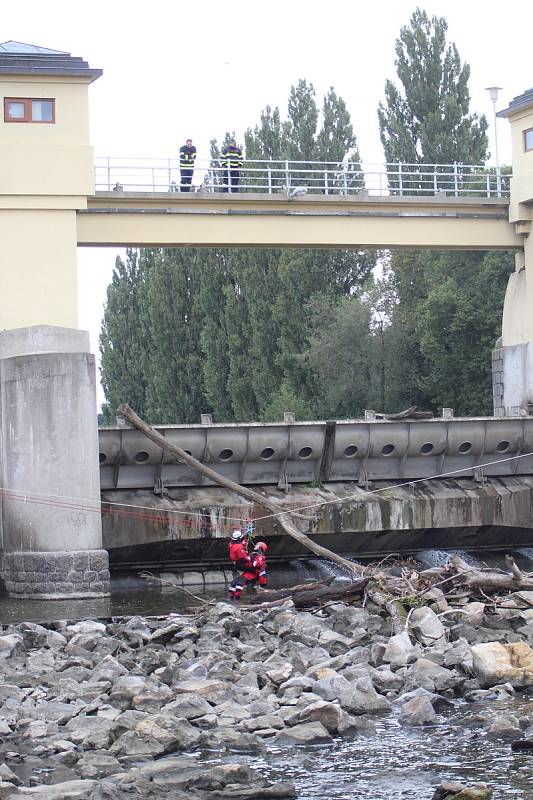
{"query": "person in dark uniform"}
[(232, 162), (187, 158)]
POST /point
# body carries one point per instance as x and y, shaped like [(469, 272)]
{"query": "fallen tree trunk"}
[(265, 595), (305, 598), (282, 515), (492, 581)]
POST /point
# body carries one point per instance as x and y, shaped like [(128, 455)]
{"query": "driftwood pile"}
[(394, 586)]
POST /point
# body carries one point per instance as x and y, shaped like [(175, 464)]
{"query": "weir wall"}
[(188, 528)]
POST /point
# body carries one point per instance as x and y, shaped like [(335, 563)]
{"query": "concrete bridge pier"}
[(50, 523), (512, 360)]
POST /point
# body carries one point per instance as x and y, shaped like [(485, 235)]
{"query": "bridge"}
[(53, 198)]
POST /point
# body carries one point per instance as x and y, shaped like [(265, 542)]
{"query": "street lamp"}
[(493, 94)]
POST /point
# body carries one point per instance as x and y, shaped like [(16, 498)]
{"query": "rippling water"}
[(400, 762)]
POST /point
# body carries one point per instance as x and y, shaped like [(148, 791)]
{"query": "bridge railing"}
[(297, 178)]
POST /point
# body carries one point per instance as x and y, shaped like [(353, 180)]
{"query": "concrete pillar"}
[(512, 359), (50, 520)]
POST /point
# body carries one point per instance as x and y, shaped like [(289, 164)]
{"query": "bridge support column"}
[(512, 360), (50, 523)]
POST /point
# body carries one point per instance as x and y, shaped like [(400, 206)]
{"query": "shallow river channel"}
[(387, 762)]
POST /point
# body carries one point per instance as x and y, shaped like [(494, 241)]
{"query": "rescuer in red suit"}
[(252, 566)]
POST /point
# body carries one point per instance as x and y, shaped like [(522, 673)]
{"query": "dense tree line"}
[(247, 334)]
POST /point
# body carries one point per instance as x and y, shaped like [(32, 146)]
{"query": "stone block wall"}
[(56, 575), (497, 382)]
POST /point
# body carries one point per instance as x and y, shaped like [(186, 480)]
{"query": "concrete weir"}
[(51, 546), (187, 528)]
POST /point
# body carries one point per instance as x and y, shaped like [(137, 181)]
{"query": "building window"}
[(528, 139), (28, 109)]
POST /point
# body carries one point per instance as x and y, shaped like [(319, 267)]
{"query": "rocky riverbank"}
[(135, 708)]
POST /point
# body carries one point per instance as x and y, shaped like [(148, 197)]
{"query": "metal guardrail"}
[(302, 452), (302, 177)]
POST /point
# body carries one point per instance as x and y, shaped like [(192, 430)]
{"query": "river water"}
[(399, 762), (391, 762)]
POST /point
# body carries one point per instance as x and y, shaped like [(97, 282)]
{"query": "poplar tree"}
[(174, 363), (123, 336), (426, 119)]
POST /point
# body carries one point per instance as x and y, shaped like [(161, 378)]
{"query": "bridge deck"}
[(208, 219)]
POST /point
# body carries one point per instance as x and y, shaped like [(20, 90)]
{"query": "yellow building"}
[(46, 174)]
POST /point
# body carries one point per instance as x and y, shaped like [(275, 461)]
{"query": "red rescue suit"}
[(259, 565), (238, 554)]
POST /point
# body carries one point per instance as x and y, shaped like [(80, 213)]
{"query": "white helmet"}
[(237, 535)]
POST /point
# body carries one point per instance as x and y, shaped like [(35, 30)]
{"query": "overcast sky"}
[(175, 69)]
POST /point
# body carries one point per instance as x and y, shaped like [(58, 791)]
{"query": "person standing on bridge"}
[(187, 159), (232, 161)]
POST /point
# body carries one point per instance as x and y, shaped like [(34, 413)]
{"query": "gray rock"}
[(188, 706), (505, 725), (425, 673), (152, 699), (86, 626), (417, 711), (68, 790), (447, 791), (156, 735), (212, 690), (364, 699), (7, 774), (427, 627), (94, 731), (11, 645), (109, 669), (36, 636), (125, 688), (331, 715), (232, 739), (97, 764), (305, 733), (399, 650)]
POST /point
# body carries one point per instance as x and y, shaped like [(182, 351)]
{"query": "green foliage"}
[(448, 313), (427, 120), (124, 334), (286, 399)]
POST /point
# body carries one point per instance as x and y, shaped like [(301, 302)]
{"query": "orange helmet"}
[(260, 547)]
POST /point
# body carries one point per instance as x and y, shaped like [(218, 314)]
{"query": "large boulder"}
[(331, 715), (417, 711), (428, 675), (188, 706), (427, 627), (457, 791), (97, 764), (155, 736), (364, 699), (495, 663), (305, 733), (399, 650), (68, 790), (212, 690), (10, 645)]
